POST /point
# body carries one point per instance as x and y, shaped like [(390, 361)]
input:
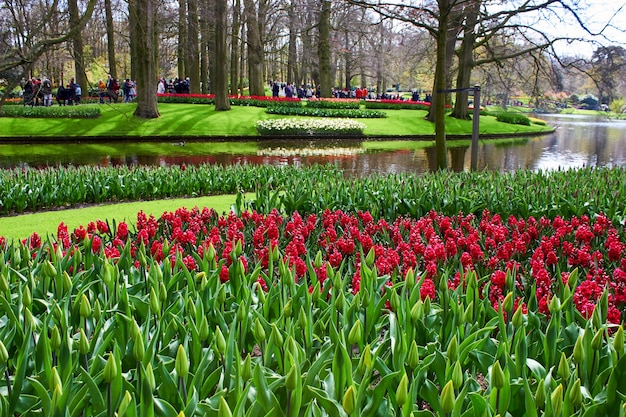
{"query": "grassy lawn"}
[(46, 223), (180, 120)]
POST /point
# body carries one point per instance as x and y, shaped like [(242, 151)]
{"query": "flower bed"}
[(336, 312), (325, 112), (397, 104), (258, 101), (310, 127)]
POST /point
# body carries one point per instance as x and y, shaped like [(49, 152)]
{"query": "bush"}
[(257, 101), (305, 111), (187, 98), (265, 101), (333, 104), (397, 105), (513, 118), (52, 112)]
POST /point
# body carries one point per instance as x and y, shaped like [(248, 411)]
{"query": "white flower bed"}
[(309, 127)]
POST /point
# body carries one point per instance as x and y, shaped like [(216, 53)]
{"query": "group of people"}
[(110, 90), (38, 92), (175, 86), (280, 89)]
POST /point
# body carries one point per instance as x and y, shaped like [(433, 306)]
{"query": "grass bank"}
[(46, 223), (189, 120)]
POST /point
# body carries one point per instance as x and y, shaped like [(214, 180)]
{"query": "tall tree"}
[(108, 11), (221, 56), (204, 47), (438, 97), (323, 50), (77, 46), (145, 34), (192, 63), (255, 49), (182, 38), (234, 47), (607, 66), (292, 69), (466, 59)]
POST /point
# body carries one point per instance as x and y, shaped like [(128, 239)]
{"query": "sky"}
[(595, 14)]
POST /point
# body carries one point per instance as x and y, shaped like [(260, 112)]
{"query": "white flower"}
[(310, 126)]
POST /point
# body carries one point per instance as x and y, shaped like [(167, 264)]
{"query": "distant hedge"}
[(513, 118)]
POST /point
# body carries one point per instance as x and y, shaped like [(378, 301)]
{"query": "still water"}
[(578, 141)]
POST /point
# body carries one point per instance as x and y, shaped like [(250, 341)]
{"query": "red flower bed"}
[(533, 257)]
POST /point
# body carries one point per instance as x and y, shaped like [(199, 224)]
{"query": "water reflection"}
[(577, 142)]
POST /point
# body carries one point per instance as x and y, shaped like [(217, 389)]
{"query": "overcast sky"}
[(595, 14)]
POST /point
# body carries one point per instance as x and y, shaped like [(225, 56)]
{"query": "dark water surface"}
[(578, 141)]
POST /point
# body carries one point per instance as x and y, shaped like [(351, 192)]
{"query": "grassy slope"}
[(179, 120), (46, 223)]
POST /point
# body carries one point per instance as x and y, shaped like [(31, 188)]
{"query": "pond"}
[(577, 142)]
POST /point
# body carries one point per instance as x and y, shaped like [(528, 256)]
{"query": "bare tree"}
[(145, 35), (235, 41), (110, 29), (255, 48), (221, 56), (323, 50), (27, 36)]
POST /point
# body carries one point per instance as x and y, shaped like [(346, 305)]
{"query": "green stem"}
[(109, 401), (7, 377), (183, 385), (497, 400)]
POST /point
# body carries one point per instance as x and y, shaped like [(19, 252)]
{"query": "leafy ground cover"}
[(332, 314), (523, 193), (180, 120)]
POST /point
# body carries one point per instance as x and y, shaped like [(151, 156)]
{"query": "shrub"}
[(324, 112), (187, 98), (257, 101), (52, 112), (397, 105), (513, 118), (333, 104), (265, 101), (310, 127)]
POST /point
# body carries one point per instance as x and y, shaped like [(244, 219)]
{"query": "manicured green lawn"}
[(46, 223), (180, 120)]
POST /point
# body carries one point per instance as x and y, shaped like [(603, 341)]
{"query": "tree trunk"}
[(466, 62), (348, 62), (324, 50), (211, 47), (77, 47), (204, 49), (144, 33), (221, 56), (255, 50), (437, 108), (182, 37), (110, 38), (133, 49), (234, 48), (192, 64), (292, 59)]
